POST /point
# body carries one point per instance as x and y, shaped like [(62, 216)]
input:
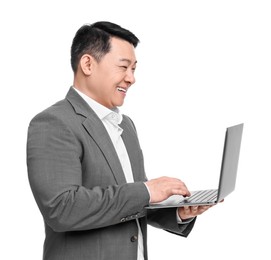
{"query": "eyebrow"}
[(129, 61)]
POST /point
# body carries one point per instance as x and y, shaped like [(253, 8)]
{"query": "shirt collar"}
[(102, 112)]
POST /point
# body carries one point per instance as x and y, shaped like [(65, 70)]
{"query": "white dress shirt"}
[(111, 120)]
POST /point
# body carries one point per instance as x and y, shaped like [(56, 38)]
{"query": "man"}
[(85, 164)]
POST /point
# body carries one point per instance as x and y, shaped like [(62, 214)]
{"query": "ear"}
[(86, 64)]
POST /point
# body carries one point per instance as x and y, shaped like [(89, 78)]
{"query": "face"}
[(110, 79)]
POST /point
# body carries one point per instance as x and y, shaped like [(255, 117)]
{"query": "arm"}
[(166, 219), (55, 174)]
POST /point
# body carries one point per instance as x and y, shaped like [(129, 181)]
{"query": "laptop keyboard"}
[(202, 196)]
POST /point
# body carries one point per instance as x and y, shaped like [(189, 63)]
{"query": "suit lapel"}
[(130, 140), (98, 133)]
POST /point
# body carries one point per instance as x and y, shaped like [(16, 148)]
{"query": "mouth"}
[(123, 90)]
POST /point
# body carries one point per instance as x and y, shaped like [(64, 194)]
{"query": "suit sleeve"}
[(166, 219), (55, 176)]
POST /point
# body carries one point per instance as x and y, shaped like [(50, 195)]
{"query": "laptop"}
[(227, 177)]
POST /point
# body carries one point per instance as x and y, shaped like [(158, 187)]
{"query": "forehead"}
[(122, 50)]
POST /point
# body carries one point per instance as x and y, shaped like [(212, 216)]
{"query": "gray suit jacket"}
[(77, 180)]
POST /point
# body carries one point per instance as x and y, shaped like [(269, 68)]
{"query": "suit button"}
[(133, 238), (123, 220)]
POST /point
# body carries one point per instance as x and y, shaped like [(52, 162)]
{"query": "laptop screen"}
[(230, 160)]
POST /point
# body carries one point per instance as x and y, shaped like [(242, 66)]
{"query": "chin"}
[(118, 104)]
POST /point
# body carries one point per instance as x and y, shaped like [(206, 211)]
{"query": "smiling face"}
[(108, 80)]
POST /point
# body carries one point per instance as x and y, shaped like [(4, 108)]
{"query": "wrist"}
[(148, 191)]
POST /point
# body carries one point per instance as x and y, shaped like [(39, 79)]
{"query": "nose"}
[(130, 77)]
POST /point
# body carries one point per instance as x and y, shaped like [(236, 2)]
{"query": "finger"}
[(179, 187), (186, 209), (185, 189), (183, 192), (194, 209), (202, 209)]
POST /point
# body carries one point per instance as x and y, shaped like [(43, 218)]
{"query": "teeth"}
[(122, 89)]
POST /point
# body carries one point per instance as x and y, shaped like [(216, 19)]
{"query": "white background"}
[(202, 66)]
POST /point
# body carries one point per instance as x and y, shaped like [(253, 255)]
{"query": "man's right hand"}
[(163, 187)]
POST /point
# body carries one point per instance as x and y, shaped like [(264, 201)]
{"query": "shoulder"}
[(55, 116)]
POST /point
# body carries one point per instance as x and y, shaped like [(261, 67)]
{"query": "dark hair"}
[(94, 39)]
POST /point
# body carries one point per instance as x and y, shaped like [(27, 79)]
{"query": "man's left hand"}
[(187, 212)]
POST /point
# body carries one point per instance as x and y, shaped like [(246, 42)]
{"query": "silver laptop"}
[(227, 178)]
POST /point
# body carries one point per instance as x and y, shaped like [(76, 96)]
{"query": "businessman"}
[(85, 164)]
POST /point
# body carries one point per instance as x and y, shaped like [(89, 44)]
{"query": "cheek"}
[(116, 76)]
